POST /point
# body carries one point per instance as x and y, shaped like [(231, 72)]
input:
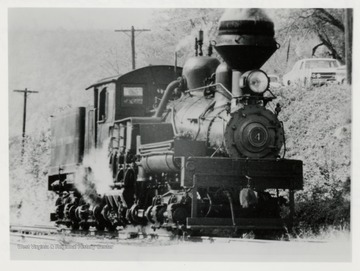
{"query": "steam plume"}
[(94, 177)]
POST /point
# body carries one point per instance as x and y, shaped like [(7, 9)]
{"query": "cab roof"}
[(114, 78), (104, 81)]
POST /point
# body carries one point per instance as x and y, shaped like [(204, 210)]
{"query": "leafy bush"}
[(318, 127), (30, 202), (316, 211)]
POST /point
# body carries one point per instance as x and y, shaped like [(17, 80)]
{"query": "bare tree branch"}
[(308, 15), (331, 19), (325, 39), (315, 48)]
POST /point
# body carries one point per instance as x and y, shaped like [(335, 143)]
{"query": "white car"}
[(312, 71), (274, 81)]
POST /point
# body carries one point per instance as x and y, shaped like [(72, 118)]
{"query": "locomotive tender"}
[(189, 148)]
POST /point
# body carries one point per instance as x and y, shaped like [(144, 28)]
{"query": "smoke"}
[(189, 41), (184, 43), (254, 14), (94, 177)]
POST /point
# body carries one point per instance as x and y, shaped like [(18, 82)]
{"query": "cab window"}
[(133, 95), (103, 104)]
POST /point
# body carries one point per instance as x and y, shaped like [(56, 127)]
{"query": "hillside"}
[(318, 131)]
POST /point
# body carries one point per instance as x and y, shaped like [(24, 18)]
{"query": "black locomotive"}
[(188, 149)]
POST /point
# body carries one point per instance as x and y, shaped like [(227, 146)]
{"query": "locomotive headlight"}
[(256, 80)]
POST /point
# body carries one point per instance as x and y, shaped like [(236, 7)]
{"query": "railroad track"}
[(51, 233), (48, 231)]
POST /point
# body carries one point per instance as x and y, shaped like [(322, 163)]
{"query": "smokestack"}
[(245, 38)]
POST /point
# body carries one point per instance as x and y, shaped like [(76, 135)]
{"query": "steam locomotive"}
[(190, 149)]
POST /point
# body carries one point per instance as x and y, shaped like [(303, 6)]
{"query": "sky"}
[(77, 18)]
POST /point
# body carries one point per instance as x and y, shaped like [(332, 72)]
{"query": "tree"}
[(174, 30), (326, 24)]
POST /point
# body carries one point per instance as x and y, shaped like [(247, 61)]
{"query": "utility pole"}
[(26, 93), (132, 30)]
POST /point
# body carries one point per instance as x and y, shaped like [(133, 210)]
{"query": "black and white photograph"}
[(180, 132)]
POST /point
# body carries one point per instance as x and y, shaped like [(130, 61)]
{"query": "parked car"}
[(341, 75), (274, 81), (312, 71)]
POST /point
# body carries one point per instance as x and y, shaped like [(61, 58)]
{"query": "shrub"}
[(30, 202), (318, 131)]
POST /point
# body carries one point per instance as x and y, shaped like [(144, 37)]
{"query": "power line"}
[(132, 31)]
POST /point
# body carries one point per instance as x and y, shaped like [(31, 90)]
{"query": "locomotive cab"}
[(80, 130), (134, 94)]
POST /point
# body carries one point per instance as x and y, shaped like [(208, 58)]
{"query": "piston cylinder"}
[(158, 163)]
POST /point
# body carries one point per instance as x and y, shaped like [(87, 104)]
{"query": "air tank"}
[(245, 38)]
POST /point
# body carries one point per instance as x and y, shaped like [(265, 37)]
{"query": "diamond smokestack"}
[(245, 38)]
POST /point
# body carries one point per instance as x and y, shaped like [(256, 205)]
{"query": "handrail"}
[(214, 85)]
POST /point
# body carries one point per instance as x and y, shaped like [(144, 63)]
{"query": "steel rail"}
[(46, 232)]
